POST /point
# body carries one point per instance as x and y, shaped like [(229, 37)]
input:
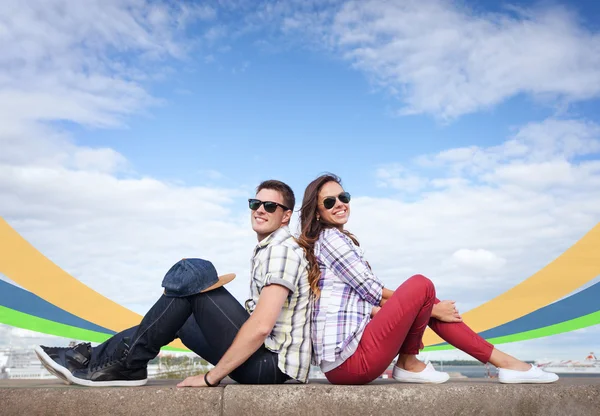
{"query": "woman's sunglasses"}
[(329, 202), (270, 206)]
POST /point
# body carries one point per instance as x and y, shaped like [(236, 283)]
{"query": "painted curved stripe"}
[(580, 304), (19, 261), (29, 268), (15, 298), (33, 323), (44, 326), (575, 267), (572, 325)]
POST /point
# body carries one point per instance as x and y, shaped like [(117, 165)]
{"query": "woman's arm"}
[(343, 258)]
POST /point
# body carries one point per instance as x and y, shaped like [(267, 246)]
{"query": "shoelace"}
[(108, 361)]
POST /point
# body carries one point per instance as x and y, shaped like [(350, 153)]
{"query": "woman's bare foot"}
[(503, 360), (410, 363)]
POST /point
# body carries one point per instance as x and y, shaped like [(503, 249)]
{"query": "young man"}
[(267, 342)]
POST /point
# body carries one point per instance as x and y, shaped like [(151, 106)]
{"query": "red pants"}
[(398, 328)]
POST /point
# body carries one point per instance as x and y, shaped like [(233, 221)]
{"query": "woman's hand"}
[(386, 294), (446, 311), (194, 381)]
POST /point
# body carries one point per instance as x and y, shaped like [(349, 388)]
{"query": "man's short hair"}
[(289, 200)]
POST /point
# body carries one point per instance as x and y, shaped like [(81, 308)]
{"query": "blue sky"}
[(250, 108), (468, 133)]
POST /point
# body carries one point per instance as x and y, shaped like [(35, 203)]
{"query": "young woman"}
[(358, 326)]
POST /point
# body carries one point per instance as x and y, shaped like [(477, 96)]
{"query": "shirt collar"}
[(277, 236)]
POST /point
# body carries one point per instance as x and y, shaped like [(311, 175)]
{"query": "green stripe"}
[(33, 323), (567, 326)]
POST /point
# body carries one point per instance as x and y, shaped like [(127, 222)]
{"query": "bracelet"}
[(206, 380)]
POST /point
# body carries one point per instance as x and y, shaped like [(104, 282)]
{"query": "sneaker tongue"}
[(84, 349)]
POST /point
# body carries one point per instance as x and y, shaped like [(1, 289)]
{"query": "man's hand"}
[(446, 311), (194, 381)]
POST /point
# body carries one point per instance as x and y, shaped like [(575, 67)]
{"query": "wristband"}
[(206, 380)]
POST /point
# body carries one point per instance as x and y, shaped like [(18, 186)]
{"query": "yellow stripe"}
[(26, 266), (572, 269)]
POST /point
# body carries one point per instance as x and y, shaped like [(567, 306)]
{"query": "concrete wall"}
[(577, 396)]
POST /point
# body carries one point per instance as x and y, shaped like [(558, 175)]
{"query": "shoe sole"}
[(526, 381), (115, 383), (421, 381), (53, 367)]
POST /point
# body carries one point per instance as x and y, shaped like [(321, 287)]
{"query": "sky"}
[(132, 133)]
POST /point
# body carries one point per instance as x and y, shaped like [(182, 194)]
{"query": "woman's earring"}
[(318, 218)]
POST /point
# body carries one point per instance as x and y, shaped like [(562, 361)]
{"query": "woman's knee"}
[(422, 282)]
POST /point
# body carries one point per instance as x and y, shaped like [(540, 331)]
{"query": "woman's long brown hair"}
[(311, 228)]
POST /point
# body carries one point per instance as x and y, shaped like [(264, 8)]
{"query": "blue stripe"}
[(23, 301), (582, 303)]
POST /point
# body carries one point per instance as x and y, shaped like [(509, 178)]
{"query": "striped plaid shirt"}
[(349, 290), (279, 260)]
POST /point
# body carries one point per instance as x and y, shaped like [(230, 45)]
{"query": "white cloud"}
[(478, 259), (397, 177), (490, 216), (86, 208), (120, 235), (548, 174), (445, 59), (477, 241), (101, 160), (547, 145), (437, 57), (65, 60)]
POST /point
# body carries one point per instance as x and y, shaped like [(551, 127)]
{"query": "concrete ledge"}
[(157, 398), (573, 396)]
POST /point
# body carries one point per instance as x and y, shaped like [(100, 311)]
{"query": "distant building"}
[(21, 364)]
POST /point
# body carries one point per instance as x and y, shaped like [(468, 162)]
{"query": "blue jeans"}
[(206, 323)]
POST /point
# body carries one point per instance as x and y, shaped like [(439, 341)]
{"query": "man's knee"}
[(189, 277)]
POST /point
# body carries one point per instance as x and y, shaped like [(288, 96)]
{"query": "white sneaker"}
[(428, 375), (533, 375)]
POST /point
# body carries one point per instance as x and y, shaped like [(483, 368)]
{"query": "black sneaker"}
[(62, 361), (111, 372)]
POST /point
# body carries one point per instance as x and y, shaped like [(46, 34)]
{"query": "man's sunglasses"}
[(270, 206), (329, 202)]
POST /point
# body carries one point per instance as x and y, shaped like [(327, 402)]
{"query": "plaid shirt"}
[(279, 260), (349, 290)]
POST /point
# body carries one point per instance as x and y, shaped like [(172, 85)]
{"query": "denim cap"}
[(188, 277)]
